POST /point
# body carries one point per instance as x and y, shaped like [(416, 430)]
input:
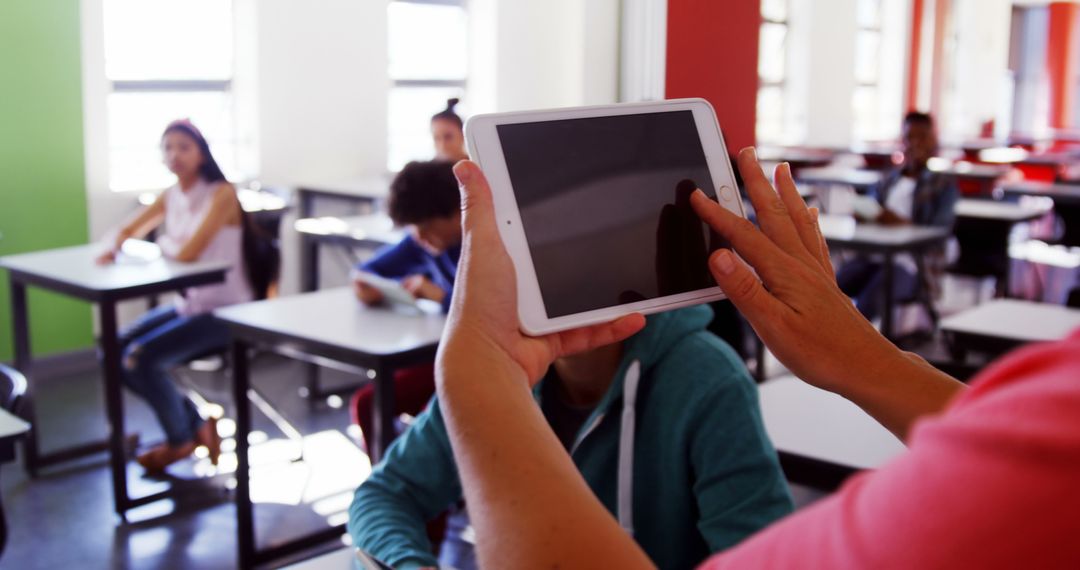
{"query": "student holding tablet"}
[(989, 480), (201, 220), (638, 420)]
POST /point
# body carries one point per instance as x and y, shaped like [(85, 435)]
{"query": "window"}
[(772, 71), (428, 51), (867, 68), (166, 60)]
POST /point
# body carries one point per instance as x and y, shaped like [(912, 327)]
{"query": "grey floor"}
[(65, 518)]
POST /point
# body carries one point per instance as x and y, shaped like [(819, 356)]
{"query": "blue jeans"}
[(862, 279), (457, 551), (156, 343)]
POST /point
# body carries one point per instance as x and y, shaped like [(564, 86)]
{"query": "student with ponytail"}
[(448, 133)]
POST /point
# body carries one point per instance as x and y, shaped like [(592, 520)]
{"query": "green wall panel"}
[(42, 180)]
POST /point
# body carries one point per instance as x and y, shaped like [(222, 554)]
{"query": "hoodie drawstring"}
[(626, 448)]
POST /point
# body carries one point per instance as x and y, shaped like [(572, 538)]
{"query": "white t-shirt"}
[(901, 201), (901, 197)]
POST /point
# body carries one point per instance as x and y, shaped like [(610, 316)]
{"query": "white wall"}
[(643, 50), (106, 208), (530, 55), (322, 89), (823, 69)]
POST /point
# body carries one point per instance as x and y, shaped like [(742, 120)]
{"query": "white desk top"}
[(1063, 192), (340, 559), (373, 187), (76, 266), (1012, 319), (839, 176), (374, 228), (990, 210), (794, 154), (971, 170), (846, 230), (816, 424), (11, 425), (336, 318)]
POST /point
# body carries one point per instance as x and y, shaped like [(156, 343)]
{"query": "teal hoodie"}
[(675, 450)]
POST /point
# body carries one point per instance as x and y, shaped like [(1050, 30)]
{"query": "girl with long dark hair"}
[(201, 220)]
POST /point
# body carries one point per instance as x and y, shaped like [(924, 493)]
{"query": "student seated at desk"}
[(909, 194), (448, 133), (424, 199), (650, 409), (202, 221)]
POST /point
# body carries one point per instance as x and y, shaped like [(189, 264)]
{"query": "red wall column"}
[(1061, 62), (914, 52), (712, 52)]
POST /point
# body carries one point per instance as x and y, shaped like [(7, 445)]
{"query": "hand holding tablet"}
[(593, 206)]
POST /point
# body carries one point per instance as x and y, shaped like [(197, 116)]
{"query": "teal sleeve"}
[(738, 484), (416, 481)]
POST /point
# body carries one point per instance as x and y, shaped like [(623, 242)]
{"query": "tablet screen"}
[(605, 206)]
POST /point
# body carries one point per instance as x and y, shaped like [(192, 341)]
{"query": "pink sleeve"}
[(992, 483)]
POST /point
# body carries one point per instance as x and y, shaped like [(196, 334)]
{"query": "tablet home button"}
[(725, 193)]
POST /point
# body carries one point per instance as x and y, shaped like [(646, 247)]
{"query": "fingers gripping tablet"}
[(593, 206)]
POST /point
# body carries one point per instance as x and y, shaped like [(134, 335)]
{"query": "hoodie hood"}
[(662, 332)]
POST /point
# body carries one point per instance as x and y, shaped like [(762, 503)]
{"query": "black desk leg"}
[(888, 296), (383, 412), (20, 324), (309, 248), (245, 524), (311, 389), (309, 263), (114, 404), (3, 528)]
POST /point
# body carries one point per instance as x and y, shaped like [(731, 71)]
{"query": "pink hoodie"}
[(993, 482)]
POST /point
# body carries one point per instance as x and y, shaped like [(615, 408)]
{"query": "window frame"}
[(414, 83), (223, 87), (782, 83)]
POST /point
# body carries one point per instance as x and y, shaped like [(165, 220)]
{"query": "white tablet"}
[(593, 206), (390, 289)]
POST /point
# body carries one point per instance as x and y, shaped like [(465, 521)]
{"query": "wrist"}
[(901, 388), (465, 362)]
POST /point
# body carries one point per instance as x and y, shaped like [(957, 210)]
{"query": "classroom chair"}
[(12, 390)]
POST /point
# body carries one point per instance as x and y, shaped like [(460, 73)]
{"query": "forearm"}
[(900, 389), (143, 223), (517, 476)]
